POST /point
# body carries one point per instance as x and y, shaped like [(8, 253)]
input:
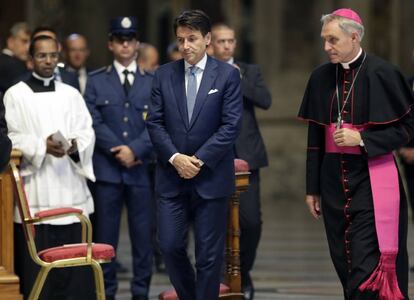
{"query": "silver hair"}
[(347, 25), (17, 27)]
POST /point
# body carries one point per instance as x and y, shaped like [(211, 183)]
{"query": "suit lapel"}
[(115, 81), (178, 84), (209, 75)]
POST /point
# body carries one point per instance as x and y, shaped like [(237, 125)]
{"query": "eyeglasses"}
[(44, 56)]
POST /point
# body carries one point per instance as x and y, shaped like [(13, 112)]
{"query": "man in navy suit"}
[(118, 97), (194, 119), (249, 146)]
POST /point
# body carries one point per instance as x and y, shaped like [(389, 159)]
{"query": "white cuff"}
[(172, 157)]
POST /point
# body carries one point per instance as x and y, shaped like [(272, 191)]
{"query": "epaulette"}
[(100, 70)]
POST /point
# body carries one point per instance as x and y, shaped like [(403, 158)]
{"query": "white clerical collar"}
[(346, 65), (201, 64), (7, 52), (231, 61), (46, 81), (132, 67)]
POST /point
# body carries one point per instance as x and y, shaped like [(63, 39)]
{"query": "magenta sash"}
[(386, 198)]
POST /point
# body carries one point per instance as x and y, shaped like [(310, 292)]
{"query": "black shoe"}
[(110, 297), (248, 292), (139, 297), (247, 286)]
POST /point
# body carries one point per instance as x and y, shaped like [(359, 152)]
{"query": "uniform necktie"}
[(191, 90), (127, 84)]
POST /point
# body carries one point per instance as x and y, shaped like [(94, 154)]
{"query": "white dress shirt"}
[(132, 67)]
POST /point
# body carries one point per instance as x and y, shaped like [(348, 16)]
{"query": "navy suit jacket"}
[(210, 134), (119, 119), (11, 70), (249, 144)]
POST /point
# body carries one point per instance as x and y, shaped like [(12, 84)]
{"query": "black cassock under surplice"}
[(381, 101)]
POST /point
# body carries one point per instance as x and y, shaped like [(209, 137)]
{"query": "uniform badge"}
[(126, 22), (145, 113)]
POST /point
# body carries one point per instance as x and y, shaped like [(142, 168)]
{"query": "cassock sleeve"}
[(382, 139), (81, 130), (315, 152), (32, 146), (391, 99)]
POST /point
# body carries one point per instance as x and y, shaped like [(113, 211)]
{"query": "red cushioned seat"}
[(172, 295), (99, 251), (241, 165)]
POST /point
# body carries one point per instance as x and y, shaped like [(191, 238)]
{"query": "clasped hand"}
[(187, 166), (347, 137), (125, 156)]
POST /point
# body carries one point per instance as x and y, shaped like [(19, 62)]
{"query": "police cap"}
[(123, 27)]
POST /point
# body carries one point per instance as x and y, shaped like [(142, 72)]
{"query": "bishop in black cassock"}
[(359, 109)]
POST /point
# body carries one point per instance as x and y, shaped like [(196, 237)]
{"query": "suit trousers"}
[(250, 225), (109, 200), (209, 217)]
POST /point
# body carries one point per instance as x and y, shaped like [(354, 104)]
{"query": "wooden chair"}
[(70, 255), (231, 288)]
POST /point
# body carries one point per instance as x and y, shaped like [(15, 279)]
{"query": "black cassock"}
[(381, 100)]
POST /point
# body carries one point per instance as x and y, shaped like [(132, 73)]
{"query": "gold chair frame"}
[(28, 222)]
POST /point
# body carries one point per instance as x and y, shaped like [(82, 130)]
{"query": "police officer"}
[(118, 97)]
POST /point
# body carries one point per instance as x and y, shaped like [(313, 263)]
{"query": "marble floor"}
[(292, 262)]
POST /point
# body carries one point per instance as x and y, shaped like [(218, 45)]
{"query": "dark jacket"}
[(249, 144)]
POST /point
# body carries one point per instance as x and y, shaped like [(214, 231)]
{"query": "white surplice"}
[(51, 182)]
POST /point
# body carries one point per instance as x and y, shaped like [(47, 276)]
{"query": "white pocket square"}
[(212, 91)]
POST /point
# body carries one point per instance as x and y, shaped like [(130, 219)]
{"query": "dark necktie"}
[(127, 85)]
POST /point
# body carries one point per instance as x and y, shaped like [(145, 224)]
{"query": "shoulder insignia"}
[(98, 71)]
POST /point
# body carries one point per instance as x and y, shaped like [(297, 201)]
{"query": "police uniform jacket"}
[(119, 119)]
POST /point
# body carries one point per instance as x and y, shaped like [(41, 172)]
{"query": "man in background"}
[(249, 146), (148, 58), (14, 56), (53, 176), (118, 97), (76, 54), (60, 73), (172, 52)]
